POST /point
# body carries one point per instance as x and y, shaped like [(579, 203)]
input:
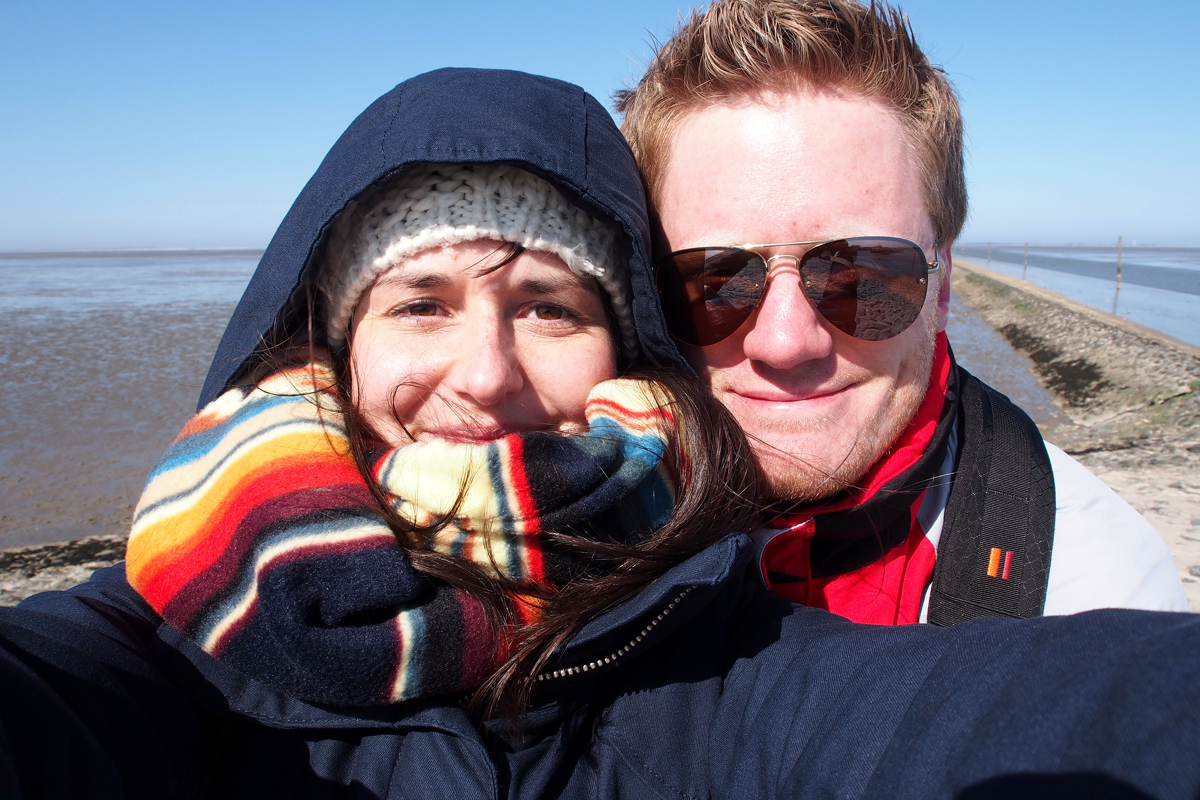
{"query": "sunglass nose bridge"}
[(782, 261)]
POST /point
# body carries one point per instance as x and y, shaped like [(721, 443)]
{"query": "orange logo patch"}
[(994, 559)]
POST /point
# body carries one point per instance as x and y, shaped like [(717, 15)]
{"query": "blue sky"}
[(173, 125)]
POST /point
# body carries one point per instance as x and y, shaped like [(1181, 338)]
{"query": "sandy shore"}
[(113, 388)]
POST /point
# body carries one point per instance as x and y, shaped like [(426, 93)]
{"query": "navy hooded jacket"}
[(726, 691)]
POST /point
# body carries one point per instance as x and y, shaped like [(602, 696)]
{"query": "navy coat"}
[(725, 690)]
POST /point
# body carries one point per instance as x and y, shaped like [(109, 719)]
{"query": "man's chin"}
[(795, 478), (807, 465)]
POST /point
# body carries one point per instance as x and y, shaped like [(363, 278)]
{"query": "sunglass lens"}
[(870, 288), (708, 293)]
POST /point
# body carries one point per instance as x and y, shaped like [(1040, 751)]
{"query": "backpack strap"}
[(993, 556)]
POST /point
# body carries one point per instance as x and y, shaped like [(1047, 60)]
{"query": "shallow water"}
[(988, 356), (90, 281), (1160, 286), (103, 356)]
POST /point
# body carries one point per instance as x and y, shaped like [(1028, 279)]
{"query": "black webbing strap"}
[(993, 557)]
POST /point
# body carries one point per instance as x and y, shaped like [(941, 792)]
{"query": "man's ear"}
[(943, 311)]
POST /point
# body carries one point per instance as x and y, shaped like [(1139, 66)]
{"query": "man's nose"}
[(786, 330), (487, 370)]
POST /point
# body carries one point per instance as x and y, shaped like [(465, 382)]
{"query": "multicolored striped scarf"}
[(260, 540)]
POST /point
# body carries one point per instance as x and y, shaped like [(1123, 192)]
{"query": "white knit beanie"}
[(431, 205)]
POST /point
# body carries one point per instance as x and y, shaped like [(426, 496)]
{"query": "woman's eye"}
[(418, 310), (549, 312)]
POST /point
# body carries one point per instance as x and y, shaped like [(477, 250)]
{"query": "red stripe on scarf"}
[(657, 415), (161, 580), (203, 421), (201, 590), (526, 510), (480, 656)]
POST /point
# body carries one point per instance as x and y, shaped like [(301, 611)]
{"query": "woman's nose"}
[(487, 371)]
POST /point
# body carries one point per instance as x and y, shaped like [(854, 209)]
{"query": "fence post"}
[(1118, 291), (1025, 268), (989, 254)]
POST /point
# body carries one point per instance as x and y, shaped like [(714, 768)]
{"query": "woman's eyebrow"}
[(552, 285), (415, 280)]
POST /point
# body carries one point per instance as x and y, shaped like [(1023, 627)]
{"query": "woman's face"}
[(441, 347)]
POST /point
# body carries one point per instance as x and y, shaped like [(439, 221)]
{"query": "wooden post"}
[(1025, 268), (989, 254), (1118, 263), (1118, 291)]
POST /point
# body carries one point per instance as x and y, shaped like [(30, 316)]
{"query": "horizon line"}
[(131, 251), (1113, 245)]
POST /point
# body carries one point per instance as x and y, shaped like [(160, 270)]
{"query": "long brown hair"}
[(716, 494)]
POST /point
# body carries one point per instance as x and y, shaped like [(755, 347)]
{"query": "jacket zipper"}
[(620, 651)]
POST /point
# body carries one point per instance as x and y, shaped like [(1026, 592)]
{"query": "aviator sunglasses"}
[(870, 287)]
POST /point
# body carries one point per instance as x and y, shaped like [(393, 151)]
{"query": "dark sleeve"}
[(83, 710), (1102, 704)]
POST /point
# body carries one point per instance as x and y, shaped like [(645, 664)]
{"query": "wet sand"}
[(99, 396), (93, 400)]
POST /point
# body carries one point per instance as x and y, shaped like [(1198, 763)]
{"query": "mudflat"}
[(93, 399)]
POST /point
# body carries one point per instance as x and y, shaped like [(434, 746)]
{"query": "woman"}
[(454, 445), (700, 683)]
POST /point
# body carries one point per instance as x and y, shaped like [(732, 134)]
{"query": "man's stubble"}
[(793, 478)]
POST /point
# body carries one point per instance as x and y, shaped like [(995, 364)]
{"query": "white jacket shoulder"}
[(1106, 555)]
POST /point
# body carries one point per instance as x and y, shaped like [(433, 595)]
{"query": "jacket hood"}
[(458, 116)]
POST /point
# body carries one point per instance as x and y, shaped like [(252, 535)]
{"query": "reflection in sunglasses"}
[(746, 286), (872, 288)]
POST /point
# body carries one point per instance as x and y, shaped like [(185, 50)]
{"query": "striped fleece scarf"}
[(258, 538)]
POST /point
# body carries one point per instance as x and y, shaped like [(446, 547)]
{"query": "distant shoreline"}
[(1079, 245), (13, 255)]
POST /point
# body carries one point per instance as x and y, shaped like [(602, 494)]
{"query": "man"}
[(822, 123)]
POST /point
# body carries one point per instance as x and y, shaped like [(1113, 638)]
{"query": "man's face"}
[(820, 407)]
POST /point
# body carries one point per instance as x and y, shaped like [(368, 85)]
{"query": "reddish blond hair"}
[(739, 48)]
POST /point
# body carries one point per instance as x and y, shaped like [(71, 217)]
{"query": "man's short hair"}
[(738, 48)]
